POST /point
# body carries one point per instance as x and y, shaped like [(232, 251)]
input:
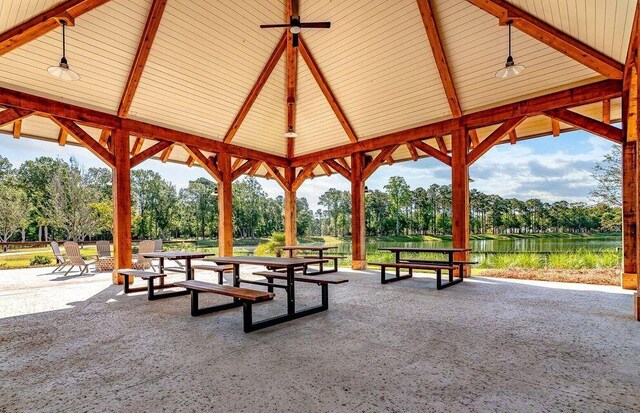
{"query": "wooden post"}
[(121, 186), (358, 242), (630, 187), (460, 194), (290, 208), (225, 208)]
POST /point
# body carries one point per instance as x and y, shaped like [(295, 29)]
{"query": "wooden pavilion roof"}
[(391, 77)]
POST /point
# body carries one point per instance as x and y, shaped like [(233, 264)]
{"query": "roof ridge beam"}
[(552, 37), (44, 22), (142, 54)]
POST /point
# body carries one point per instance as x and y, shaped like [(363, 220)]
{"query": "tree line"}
[(49, 198)]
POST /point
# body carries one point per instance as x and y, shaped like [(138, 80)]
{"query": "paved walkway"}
[(78, 344)]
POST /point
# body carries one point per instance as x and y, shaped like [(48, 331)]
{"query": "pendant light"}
[(62, 71), (510, 68), (290, 134)]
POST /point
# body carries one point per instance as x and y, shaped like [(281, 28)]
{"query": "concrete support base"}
[(629, 281), (359, 264)]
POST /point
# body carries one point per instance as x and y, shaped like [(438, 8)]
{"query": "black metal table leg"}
[(321, 263), (161, 269), (291, 297), (397, 261)]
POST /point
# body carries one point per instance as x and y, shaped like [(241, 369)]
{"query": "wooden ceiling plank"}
[(142, 54), (378, 161), (339, 168), (208, 164), (257, 87), (590, 125), (552, 37), (86, 140), (326, 90), (149, 152), (242, 169), (433, 152), (494, 138), (45, 22), (429, 21)]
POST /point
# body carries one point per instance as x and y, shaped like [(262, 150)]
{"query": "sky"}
[(548, 168)]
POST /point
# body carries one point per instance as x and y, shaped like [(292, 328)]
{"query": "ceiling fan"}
[(295, 25)]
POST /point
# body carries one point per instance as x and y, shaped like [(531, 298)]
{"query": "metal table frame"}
[(320, 250)]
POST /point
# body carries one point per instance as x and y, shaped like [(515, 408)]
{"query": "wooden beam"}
[(376, 162), (12, 114), (303, 175), (62, 137), (275, 173), (326, 90), (475, 140), (358, 223), (290, 208), (339, 168), (121, 190), (236, 163), (17, 129), (225, 205), (326, 169), (45, 22), (431, 151), (590, 125), (555, 127), (460, 227), (412, 151), (632, 50), (552, 37), (429, 21), (242, 169), (85, 139), (493, 138), (104, 137), (344, 163), (513, 137), (208, 164), (149, 152), (606, 111), (140, 59), (166, 154), (137, 146), (255, 168), (190, 161), (442, 145), (255, 90), (582, 95), (291, 76)]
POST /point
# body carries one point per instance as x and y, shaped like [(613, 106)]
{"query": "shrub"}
[(272, 247), (40, 260)]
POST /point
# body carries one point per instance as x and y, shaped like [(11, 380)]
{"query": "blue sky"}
[(548, 168)]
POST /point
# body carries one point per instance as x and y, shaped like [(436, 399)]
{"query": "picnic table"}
[(289, 265), (448, 264), (320, 250), (187, 256)]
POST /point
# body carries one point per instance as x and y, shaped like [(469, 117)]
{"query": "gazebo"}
[(389, 81)]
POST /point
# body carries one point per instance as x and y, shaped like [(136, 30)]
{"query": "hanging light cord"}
[(509, 38), (64, 54)]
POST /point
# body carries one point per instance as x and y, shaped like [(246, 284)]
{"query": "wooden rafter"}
[(43, 23), (555, 127), (104, 137), (190, 161), (441, 144), (372, 166), (306, 172), (242, 169), (137, 146), (149, 152), (166, 153), (62, 137), (339, 168), (429, 21), (326, 90), (433, 152), (513, 137), (13, 114), (473, 135), (208, 164), (326, 169), (255, 168), (236, 163), (275, 174), (344, 163), (255, 90), (581, 95), (606, 111), (140, 60), (590, 125), (552, 37), (494, 138), (86, 140), (17, 129)]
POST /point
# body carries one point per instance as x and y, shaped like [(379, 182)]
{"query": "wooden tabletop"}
[(267, 261), (177, 255), (306, 248), (419, 249)]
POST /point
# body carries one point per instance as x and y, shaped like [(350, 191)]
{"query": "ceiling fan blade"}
[(316, 25), (294, 41), (269, 26)]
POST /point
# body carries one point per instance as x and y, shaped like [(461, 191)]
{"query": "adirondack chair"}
[(75, 258), (142, 263), (104, 248), (61, 259)]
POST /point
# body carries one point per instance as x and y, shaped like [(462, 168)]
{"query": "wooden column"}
[(121, 185), (460, 194), (358, 242), (225, 208), (630, 187), (290, 208)]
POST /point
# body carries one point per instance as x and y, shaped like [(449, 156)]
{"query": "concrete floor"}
[(78, 344)]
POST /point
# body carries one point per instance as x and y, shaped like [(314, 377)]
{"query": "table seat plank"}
[(227, 290), (317, 279)]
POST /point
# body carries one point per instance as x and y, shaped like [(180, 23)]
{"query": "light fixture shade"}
[(63, 72), (510, 69), (290, 134), (294, 29)]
